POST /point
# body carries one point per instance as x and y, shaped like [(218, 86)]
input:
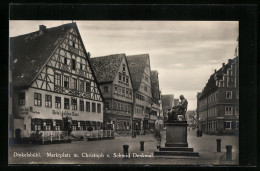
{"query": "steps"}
[(176, 151)]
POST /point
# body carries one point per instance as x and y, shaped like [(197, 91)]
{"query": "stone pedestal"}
[(176, 134), (176, 141)]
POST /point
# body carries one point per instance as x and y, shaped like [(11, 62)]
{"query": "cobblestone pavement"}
[(109, 151)]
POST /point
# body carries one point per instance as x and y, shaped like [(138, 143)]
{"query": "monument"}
[(176, 134)]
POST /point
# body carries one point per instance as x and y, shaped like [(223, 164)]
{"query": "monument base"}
[(176, 141)]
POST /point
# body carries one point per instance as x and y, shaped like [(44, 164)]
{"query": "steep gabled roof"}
[(137, 65), (29, 52), (106, 67), (211, 84), (155, 85)]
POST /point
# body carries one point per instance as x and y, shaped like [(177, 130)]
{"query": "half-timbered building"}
[(54, 87), (140, 72), (114, 79)]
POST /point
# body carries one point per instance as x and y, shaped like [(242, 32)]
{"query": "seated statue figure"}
[(178, 110)]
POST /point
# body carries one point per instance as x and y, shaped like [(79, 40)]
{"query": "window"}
[(124, 79), (66, 81), (236, 110), (73, 64), (228, 94), (66, 103), (115, 90), (123, 68), (120, 77), (106, 105), (106, 89), (65, 61), (237, 125), (81, 85), (37, 99), (228, 124), (123, 92), (21, 98), (145, 88), (57, 80), (88, 106), (73, 44), (130, 94), (126, 92), (228, 110), (99, 108), (93, 107), (48, 101), (127, 80), (81, 67), (237, 94), (88, 87), (74, 104), (58, 102), (146, 78), (74, 83), (81, 105)]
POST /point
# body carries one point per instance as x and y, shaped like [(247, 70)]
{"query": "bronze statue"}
[(180, 109)]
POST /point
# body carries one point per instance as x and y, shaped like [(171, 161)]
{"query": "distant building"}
[(167, 103), (218, 103), (191, 118), (54, 87), (114, 79), (176, 102), (140, 71), (157, 113)]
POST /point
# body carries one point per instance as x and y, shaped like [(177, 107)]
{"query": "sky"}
[(185, 53)]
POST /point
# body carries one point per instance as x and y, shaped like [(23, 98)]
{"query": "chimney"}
[(215, 70), (42, 28), (223, 65)]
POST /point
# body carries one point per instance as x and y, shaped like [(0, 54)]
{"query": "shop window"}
[(21, 98), (73, 64), (58, 102), (74, 83), (57, 79), (88, 87), (66, 103), (48, 101), (99, 108), (88, 106), (93, 107), (66, 81), (81, 105), (74, 104), (228, 94), (228, 110), (37, 99)]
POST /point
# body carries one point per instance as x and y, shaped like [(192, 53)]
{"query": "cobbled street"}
[(107, 151)]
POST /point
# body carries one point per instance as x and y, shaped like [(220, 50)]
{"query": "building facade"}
[(54, 87), (167, 103), (115, 82), (157, 113), (218, 103), (140, 71)]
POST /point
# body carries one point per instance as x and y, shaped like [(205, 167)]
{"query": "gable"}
[(69, 60)]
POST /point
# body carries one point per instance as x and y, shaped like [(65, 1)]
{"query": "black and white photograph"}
[(124, 92)]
